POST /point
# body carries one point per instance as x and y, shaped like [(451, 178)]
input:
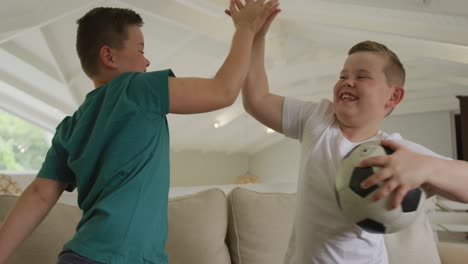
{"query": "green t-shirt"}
[(115, 151)]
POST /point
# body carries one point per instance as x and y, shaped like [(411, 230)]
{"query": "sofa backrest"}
[(197, 228), (259, 226), (208, 225)]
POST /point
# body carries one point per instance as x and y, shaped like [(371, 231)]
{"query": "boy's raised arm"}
[(267, 108), (196, 95)]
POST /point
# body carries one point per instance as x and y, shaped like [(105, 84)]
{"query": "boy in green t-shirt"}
[(115, 148)]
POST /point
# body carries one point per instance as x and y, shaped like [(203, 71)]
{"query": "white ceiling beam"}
[(47, 18), (30, 58), (27, 78), (451, 7), (29, 108), (58, 68), (402, 45), (45, 98), (401, 23), (185, 16)]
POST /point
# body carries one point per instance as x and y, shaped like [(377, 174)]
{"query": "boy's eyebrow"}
[(363, 70)]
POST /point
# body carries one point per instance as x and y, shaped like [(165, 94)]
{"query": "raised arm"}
[(28, 212), (196, 95), (264, 106)]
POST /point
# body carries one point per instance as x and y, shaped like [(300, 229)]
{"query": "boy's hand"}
[(401, 172), (266, 26), (254, 15)]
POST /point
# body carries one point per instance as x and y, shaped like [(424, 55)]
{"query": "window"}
[(23, 146)]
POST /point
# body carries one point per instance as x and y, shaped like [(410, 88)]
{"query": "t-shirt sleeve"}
[(414, 146), (150, 91), (299, 114), (55, 166)]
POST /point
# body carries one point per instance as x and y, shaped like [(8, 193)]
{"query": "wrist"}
[(437, 170), (244, 27), (260, 37)]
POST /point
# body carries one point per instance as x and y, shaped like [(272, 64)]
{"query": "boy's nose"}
[(348, 83)]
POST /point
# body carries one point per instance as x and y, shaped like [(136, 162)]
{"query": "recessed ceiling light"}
[(270, 131)]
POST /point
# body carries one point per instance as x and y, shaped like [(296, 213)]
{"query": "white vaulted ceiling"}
[(41, 79)]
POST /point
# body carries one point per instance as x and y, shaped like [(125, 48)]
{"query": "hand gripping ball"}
[(356, 203)]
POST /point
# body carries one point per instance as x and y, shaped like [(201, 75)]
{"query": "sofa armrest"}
[(453, 253)]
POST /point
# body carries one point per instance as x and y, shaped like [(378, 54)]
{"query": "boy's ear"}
[(397, 96), (106, 57)]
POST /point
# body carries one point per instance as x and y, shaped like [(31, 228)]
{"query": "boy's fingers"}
[(391, 144), (238, 4), (227, 12), (271, 5), (385, 190), (376, 178), (273, 8), (272, 16), (269, 11), (378, 161), (399, 196), (232, 8)]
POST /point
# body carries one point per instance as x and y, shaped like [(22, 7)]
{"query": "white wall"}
[(280, 162), (188, 168), (277, 163), (206, 168), (434, 130)]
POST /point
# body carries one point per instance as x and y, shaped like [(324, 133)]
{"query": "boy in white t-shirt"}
[(370, 86)]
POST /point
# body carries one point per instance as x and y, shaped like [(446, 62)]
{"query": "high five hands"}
[(256, 15)]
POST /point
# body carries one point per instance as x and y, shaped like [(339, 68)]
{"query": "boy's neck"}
[(103, 78), (358, 134), (100, 81)]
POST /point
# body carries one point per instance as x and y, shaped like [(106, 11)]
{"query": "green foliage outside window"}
[(23, 146)]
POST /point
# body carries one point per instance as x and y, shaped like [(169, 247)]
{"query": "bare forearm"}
[(29, 210), (233, 72), (451, 178), (256, 85)]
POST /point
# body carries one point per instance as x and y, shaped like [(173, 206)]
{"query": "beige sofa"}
[(228, 224)]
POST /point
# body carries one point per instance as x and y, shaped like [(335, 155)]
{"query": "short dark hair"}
[(102, 26), (394, 70)]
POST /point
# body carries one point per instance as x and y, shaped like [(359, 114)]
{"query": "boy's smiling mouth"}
[(348, 97)]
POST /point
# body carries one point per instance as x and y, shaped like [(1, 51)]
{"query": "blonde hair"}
[(394, 70)]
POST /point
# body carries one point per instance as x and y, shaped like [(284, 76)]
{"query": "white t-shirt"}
[(321, 234)]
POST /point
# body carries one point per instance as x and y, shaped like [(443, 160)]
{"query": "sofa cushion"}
[(415, 244), (46, 242), (453, 253), (259, 226), (197, 228)]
